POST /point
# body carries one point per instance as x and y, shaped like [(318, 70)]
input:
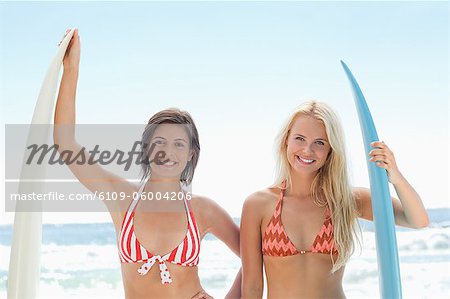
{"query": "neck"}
[(162, 185), (165, 195), (301, 184)]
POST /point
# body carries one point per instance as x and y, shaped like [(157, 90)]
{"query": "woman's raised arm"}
[(92, 176)]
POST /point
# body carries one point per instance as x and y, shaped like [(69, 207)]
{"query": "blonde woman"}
[(302, 229), (158, 240)]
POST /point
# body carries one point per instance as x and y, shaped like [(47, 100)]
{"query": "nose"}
[(308, 148), (170, 151)]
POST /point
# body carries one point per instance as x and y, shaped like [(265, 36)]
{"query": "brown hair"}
[(172, 116)]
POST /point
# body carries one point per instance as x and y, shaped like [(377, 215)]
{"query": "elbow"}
[(422, 223)]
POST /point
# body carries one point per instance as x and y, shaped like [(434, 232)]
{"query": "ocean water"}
[(81, 261)]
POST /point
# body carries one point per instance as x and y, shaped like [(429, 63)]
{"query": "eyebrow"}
[(321, 139), (180, 139), (176, 139)]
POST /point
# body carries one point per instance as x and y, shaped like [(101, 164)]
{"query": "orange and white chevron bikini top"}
[(277, 243)]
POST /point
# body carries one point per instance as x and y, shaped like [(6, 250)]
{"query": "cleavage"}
[(160, 232), (302, 221)]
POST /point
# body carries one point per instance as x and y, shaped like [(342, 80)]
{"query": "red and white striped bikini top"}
[(276, 242), (186, 254)]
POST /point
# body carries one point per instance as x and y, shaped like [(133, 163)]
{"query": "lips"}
[(169, 164), (305, 161)]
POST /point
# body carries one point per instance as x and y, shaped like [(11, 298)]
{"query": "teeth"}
[(306, 160), (170, 163)]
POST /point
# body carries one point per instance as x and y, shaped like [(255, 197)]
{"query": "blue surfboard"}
[(383, 215)]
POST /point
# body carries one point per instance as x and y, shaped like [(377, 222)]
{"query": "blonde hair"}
[(331, 183)]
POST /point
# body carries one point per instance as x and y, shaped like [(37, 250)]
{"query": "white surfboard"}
[(24, 264)]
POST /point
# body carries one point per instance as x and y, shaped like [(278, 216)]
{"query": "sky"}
[(240, 69)]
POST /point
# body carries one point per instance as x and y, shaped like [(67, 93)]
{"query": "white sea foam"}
[(70, 271)]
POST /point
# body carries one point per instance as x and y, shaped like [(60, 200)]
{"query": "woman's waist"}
[(287, 291), (304, 274), (303, 286), (185, 282)]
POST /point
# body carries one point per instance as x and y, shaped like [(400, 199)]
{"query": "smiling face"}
[(171, 151), (307, 145)]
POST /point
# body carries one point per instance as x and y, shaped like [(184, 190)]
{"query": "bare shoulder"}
[(203, 205), (209, 214), (260, 204), (262, 198), (201, 201), (257, 207)]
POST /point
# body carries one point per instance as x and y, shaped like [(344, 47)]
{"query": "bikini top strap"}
[(136, 199), (282, 189), (327, 212), (280, 199), (187, 203), (189, 211)]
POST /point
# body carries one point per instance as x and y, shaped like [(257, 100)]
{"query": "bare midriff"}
[(303, 276), (185, 284)]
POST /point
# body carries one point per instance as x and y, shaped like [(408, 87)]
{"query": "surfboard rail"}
[(24, 263), (383, 214)]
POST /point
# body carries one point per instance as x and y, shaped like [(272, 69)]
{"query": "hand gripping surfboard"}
[(383, 215)]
